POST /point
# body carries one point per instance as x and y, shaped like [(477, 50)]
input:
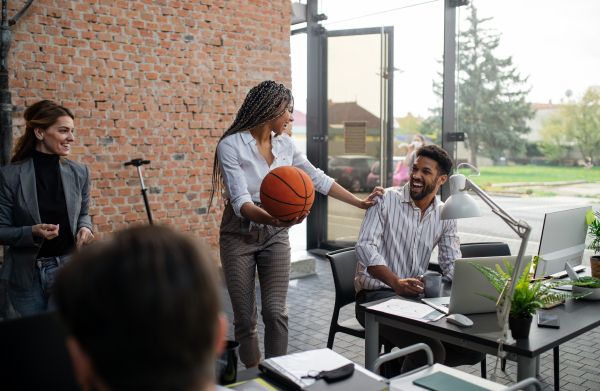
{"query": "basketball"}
[(287, 192)]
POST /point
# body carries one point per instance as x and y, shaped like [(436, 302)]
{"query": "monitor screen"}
[(563, 240)]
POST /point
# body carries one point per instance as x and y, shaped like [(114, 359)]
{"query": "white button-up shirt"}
[(394, 234), (243, 168)]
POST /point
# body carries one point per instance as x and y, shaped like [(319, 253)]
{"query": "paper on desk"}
[(409, 309), (298, 364)]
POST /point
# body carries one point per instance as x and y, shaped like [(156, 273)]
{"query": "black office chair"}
[(343, 266)]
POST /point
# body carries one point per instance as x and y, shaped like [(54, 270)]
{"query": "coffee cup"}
[(433, 284), (227, 364)]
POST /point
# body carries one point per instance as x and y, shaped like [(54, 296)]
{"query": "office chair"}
[(431, 368), (343, 267)]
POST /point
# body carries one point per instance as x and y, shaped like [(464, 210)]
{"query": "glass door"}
[(359, 124)]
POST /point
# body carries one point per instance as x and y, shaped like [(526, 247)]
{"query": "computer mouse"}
[(459, 320)]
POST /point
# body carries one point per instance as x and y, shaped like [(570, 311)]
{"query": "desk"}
[(404, 383), (576, 318), (253, 373)]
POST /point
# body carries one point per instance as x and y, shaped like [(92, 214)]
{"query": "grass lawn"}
[(507, 174)]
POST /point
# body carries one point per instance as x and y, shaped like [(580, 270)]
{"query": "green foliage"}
[(528, 173), (432, 128), (555, 143), (588, 282), (532, 149), (528, 296), (493, 106), (535, 261), (594, 233), (576, 123), (410, 125), (582, 120)]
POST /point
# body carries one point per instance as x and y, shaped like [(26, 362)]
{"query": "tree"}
[(432, 128), (492, 107), (578, 123), (554, 138)]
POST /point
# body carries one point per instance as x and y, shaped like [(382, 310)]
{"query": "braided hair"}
[(259, 107)]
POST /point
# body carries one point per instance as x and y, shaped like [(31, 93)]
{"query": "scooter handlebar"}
[(137, 162)]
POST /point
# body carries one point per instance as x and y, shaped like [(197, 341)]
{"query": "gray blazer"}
[(19, 212)]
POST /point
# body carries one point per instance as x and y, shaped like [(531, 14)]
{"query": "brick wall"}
[(158, 79)]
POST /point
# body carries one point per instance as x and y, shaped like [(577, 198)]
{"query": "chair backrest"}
[(343, 265), (478, 250)]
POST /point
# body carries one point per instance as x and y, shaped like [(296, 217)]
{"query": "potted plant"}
[(594, 234), (528, 296), (584, 284)]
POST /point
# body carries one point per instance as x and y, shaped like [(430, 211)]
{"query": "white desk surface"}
[(406, 383)]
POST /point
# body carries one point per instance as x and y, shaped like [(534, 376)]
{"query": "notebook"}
[(441, 381), (289, 370)]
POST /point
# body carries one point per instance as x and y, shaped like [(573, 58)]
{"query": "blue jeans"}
[(39, 298)]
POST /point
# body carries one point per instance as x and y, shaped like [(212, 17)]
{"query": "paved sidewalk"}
[(310, 305)]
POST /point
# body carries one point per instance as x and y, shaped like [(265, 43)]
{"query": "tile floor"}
[(310, 305)]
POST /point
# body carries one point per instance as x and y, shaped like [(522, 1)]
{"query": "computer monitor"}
[(563, 240)]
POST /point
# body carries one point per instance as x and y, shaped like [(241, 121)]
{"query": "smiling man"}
[(394, 246)]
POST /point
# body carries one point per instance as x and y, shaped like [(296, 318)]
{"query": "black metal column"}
[(5, 98), (449, 87), (316, 114), (6, 109)]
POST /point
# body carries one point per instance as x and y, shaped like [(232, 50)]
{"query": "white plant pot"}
[(595, 295)]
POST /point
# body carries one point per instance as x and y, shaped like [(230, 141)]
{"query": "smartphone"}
[(546, 320)]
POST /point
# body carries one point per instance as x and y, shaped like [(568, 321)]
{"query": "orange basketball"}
[(287, 192)]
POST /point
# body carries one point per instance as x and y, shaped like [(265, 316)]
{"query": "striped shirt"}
[(394, 235)]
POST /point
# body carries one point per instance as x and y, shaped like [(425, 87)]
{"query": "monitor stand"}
[(570, 272)]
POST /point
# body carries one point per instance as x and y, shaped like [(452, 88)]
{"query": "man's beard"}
[(426, 190)]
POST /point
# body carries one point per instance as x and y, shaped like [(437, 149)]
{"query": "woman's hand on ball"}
[(296, 220), (370, 201)]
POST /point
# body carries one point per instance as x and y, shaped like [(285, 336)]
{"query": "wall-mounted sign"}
[(355, 137)]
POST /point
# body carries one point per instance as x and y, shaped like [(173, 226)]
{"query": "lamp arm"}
[(470, 185), (522, 229)]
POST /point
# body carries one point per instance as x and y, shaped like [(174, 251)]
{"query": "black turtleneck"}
[(52, 204)]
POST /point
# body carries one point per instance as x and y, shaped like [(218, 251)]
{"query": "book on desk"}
[(291, 369)]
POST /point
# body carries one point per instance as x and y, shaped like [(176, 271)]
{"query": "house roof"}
[(299, 118), (341, 112), (543, 106)]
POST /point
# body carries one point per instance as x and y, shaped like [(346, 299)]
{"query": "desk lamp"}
[(461, 205)]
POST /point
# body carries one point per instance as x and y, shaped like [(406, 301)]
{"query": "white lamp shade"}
[(459, 205)]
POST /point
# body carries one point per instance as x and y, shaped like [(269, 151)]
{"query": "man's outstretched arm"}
[(402, 286)]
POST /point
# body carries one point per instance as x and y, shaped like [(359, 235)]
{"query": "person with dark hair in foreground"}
[(143, 313), (394, 245)]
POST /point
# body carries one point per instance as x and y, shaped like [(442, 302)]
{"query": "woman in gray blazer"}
[(44, 205)]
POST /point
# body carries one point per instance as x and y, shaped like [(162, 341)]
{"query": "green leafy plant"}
[(528, 296), (588, 282), (594, 233), (536, 260)]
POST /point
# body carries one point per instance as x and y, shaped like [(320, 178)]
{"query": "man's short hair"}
[(442, 158), (145, 307)]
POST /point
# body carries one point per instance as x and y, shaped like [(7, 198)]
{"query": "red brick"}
[(140, 89)]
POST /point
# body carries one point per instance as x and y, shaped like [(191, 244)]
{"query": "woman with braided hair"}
[(250, 238)]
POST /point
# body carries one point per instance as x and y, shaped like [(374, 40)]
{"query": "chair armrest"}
[(532, 381), (403, 352)]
